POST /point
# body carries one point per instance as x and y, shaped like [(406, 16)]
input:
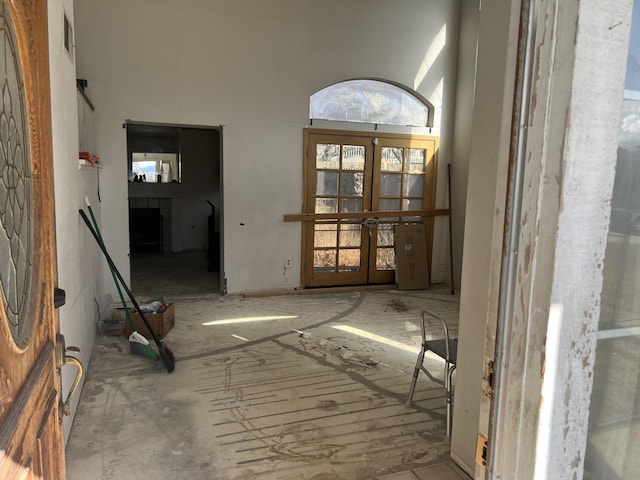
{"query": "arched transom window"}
[(371, 101)]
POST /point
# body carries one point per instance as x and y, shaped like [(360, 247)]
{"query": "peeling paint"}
[(527, 258), (576, 461), (567, 395)]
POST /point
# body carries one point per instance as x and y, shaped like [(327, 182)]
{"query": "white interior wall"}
[(251, 66), (461, 149), (485, 213), (77, 258)]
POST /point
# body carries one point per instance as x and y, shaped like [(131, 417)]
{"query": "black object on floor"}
[(214, 241)]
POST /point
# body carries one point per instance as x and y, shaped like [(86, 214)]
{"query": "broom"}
[(165, 353), (138, 344)]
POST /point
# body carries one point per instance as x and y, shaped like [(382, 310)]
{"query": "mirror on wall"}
[(154, 167), (153, 153)]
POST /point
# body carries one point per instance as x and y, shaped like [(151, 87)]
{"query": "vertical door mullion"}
[(375, 205), (369, 180)]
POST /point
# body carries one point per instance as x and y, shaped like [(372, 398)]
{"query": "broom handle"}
[(115, 279), (124, 285)]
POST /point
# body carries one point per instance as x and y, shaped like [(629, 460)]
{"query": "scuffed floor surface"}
[(309, 387)]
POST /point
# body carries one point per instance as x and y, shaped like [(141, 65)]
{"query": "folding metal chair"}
[(444, 347)]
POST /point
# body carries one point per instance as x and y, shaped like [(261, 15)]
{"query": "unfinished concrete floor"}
[(309, 386)]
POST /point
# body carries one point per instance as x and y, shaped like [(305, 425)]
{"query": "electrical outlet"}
[(287, 262)]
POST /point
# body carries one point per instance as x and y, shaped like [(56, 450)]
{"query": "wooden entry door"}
[(31, 439), (358, 186)]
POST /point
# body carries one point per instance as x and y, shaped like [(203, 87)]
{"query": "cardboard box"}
[(412, 269), (160, 322)]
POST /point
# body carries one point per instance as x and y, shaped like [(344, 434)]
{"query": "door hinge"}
[(481, 450), (489, 379)]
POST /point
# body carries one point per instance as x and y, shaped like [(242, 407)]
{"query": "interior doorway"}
[(175, 185), (359, 186)]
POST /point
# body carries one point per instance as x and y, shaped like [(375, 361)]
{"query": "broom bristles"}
[(168, 358), (145, 351), (140, 346)]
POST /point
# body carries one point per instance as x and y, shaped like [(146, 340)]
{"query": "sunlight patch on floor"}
[(376, 338), (231, 321)]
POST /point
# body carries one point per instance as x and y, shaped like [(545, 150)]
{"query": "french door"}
[(358, 186)]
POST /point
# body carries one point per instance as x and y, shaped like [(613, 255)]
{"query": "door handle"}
[(371, 223), (63, 359)]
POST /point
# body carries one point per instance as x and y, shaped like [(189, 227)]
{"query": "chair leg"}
[(449, 389), (416, 371)]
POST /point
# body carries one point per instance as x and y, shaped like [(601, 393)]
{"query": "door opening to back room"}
[(174, 187)]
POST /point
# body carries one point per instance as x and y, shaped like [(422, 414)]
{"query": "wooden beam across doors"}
[(310, 217)]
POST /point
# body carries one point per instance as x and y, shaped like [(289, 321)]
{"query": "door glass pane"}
[(327, 156), (325, 235), (385, 259), (326, 205), (390, 184), (416, 159), (352, 184), (350, 235), (385, 235), (16, 203), (412, 204), (389, 204), (391, 160), (327, 183), (351, 205), (413, 186), (349, 260), (353, 157), (324, 261)]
